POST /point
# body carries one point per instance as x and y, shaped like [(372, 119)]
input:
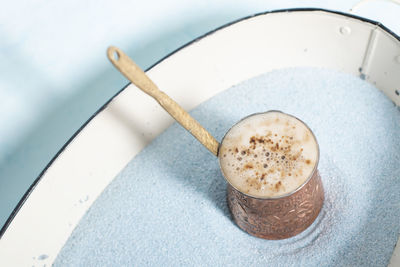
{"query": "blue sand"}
[(168, 207)]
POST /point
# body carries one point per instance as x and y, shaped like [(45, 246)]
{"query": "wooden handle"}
[(137, 76)]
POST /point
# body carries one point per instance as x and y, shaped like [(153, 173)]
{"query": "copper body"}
[(278, 218)]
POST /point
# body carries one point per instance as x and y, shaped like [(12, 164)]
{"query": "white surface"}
[(132, 119)]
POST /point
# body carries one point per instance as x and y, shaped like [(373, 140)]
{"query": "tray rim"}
[(38, 179), (31, 189)]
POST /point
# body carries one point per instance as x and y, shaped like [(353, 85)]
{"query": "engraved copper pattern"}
[(278, 218)]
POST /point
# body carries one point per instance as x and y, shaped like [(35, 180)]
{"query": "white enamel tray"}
[(53, 206)]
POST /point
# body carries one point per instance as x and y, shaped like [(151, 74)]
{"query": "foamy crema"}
[(268, 154)]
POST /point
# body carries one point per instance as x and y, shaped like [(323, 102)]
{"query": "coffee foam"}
[(268, 154)]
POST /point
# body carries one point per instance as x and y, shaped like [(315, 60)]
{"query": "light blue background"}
[(54, 73)]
